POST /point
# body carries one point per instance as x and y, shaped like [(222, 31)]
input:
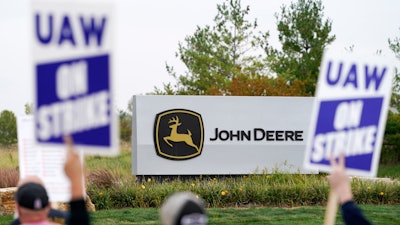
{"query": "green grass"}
[(382, 215), (265, 215), (9, 157), (120, 165), (390, 171)]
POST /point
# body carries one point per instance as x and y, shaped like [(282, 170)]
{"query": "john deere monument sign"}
[(193, 135)]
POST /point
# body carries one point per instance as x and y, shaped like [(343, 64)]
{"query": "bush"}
[(9, 177), (390, 154), (8, 131), (101, 178), (276, 190), (111, 185), (391, 144)]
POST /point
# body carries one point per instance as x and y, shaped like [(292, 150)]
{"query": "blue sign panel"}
[(349, 126), (73, 97)]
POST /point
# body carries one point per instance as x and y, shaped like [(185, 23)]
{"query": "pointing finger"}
[(332, 160), (68, 141), (342, 161)]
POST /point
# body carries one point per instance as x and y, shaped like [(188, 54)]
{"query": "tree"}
[(28, 108), (394, 45), (215, 55), (125, 125), (266, 86), (391, 143), (304, 35), (8, 128)]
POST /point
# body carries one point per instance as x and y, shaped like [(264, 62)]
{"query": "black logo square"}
[(178, 134)]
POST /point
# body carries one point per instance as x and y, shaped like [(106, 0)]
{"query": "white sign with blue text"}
[(349, 113), (72, 55)]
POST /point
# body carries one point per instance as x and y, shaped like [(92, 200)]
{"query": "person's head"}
[(183, 208), (32, 202), (29, 179)]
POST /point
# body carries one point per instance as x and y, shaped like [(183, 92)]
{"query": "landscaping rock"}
[(7, 203)]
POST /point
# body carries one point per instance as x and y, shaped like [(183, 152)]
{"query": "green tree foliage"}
[(8, 128), (391, 144), (125, 122), (125, 126), (304, 34), (394, 45), (215, 55), (28, 108)]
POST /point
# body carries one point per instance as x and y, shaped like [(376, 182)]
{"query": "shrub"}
[(391, 143), (8, 131), (276, 190), (102, 178), (9, 177)]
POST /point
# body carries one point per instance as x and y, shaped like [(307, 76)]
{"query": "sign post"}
[(72, 55), (349, 115)]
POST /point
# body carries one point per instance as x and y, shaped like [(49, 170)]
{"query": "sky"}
[(147, 34)]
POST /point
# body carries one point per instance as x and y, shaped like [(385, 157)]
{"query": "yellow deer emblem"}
[(177, 137)]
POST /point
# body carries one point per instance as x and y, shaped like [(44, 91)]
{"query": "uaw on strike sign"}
[(72, 57), (350, 111)]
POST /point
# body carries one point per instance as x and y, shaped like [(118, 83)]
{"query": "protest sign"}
[(72, 55), (349, 113)]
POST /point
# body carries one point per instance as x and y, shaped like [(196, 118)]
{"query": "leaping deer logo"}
[(179, 137)]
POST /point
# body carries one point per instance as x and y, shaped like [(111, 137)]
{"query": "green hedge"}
[(280, 190), (390, 153)]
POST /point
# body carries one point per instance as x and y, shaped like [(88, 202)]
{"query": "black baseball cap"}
[(32, 196)]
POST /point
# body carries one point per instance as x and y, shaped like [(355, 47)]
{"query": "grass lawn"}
[(234, 216), (391, 171), (382, 215)]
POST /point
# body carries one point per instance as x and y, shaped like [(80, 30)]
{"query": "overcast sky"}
[(148, 32)]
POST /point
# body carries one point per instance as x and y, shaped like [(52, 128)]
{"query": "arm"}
[(340, 183), (352, 214), (74, 171)]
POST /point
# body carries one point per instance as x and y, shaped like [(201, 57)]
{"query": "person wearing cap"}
[(32, 204), (54, 215), (340, 184), (183, 208), (32, 201)]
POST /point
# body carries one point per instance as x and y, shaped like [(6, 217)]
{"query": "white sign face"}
[(350, 111), (42, 161), (72, 57), (189, 135)]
